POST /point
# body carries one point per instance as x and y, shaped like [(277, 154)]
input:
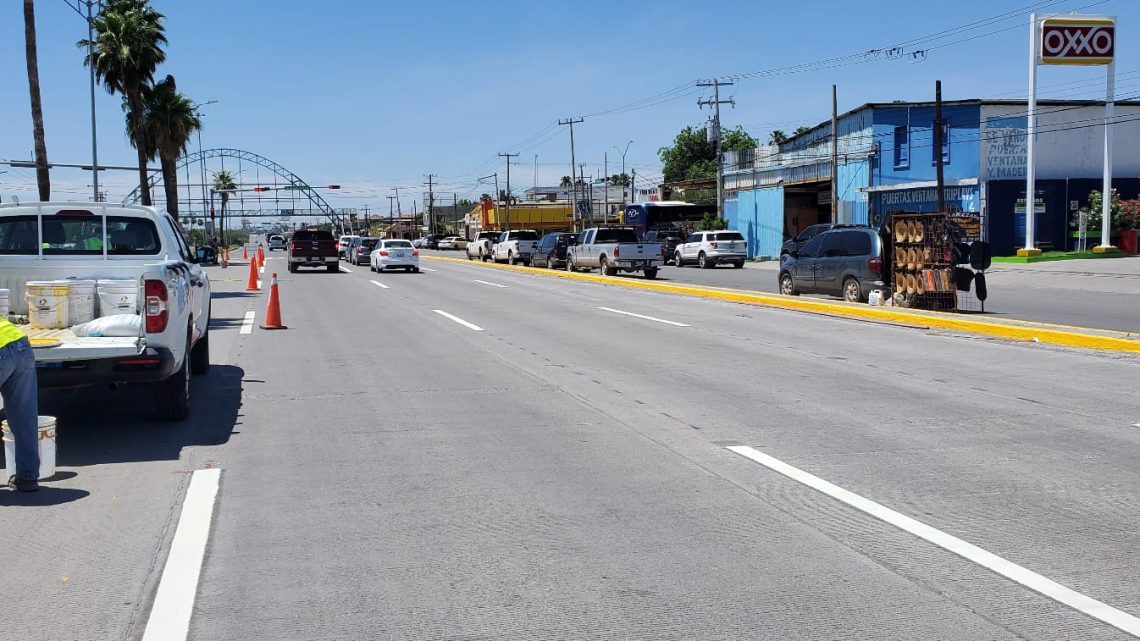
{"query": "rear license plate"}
[(49, 365)]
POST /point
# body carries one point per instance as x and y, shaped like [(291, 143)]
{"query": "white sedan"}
[(451, 242), (395, 254)]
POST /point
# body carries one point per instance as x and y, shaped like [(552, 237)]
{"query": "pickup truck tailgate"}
[(75, 348)]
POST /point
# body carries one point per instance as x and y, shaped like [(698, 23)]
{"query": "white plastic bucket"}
[(47, 304), (5, 303), (46, 430), (80, 302), (118, 297)]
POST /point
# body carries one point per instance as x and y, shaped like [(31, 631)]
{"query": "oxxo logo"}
[(1078, 42)]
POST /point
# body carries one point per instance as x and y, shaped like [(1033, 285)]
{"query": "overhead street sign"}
[(1071, 40)]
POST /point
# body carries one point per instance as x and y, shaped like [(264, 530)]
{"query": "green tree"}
[(1093, 210), (43, 180), (125, 53), (223, 184), (802, 129), (621, 180), (566, 182), (711, 223), (693, 156), (777, 136), (169, 120)]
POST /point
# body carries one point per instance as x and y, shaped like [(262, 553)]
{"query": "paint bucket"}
[(117, 297), (47, 304), (5, 303), (80, 302), (46, 437)]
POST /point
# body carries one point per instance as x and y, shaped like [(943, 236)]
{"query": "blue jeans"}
[(22, 405)]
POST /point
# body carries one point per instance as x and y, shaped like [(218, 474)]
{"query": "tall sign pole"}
[(1076, 41)]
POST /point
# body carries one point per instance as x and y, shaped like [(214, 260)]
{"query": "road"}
[(473, 453), (1102, 294)]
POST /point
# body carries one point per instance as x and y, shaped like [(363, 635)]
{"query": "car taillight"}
[(713, 244), (156, 310), (415, 252), (292, 245), (383, 252), (875, 265), (617, 251)]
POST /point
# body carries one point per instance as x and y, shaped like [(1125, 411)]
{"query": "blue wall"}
[(965, 149), (759, 215), (853, 202)]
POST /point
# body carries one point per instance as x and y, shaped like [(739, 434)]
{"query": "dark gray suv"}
[(845, 262)]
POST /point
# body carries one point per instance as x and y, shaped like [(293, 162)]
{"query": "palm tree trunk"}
[(170, 183), (43, 180), (134, 103), (222, 232)]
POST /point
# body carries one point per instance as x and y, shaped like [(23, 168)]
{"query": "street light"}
[(623, 169), (201, 160), (90, 54)]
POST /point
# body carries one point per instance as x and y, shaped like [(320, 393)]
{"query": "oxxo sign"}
[(1077, 41)]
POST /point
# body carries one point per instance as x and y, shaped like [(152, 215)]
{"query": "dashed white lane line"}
[(458, 320), (174, 602), (247, 323), (1010, 570), (491, 284), (345, 269), (429, 269), (379, 284), (657, 320)]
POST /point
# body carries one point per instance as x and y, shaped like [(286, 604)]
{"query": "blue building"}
[(887, 163)]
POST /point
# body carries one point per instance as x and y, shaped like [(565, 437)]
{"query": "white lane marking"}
[(379, 284), (261, 270), (1010, 570), (429, 269), (491, 284), (458, 320), (659, 320), (247, 323), (345, 269), (174, 602)]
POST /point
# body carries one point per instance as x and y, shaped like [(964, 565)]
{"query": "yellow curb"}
[(1105, 249), (913, 318), (1023, 252)]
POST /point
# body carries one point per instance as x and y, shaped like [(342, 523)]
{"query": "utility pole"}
[(715, 104), (606, 183), (431, 206), (633, 185), (623, 153), (536, 172), (508, 156), (939, 181), (573, 183), (834, 157), (582, 177), (390, 223)]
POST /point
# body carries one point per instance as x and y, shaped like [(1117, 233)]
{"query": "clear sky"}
[(373, 95)]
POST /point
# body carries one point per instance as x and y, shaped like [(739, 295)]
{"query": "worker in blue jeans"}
[(19, 389)]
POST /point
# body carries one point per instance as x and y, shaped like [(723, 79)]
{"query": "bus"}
[(643, 216)]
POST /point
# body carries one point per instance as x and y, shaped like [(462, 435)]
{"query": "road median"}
[(1013, 330)]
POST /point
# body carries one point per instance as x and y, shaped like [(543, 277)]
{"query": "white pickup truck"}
[(515, 246), (480, 246), (614, 249), (94, 241)]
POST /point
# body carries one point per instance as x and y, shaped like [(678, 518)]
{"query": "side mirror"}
[(795, 253)]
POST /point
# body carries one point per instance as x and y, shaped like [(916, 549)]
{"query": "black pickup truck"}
[(313, 248)]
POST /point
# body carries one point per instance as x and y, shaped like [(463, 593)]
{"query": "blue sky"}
[(373, 95)]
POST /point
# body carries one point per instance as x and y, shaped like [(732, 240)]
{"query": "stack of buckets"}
[(57, 304), (46, 436)]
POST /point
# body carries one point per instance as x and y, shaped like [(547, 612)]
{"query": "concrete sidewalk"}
[(1107, 275)]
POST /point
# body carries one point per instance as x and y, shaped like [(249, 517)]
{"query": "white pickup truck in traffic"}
[(480, 246), (614, 249), (516, 246), (84, 242)]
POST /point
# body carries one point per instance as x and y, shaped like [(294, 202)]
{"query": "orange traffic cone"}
[(260, 256), (244, 253), (273, 310), (251, 283)]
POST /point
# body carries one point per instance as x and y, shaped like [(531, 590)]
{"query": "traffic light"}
[(261, 189), (334, 186)]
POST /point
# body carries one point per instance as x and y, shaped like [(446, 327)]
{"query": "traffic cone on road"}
[(260, 257), (273, 310), (244, 253), (251, 284)]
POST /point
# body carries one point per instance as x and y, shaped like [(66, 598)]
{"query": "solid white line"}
[(345, 269), (379, 284), (429, 269), (174, 602), (458, 320), (1010, 570), (491, 284), (659, 320), (247, 323)]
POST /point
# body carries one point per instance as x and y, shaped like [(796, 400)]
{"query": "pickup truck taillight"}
[(617, 251), (156, 310), (292, 245), (415, 252)]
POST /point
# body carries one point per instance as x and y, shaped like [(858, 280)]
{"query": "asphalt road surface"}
[(1101, 294), (473, 453)]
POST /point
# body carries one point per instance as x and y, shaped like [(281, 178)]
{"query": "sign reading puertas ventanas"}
[(1073, 40)]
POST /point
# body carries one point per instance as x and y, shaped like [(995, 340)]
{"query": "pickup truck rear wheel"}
[(332, 268), (200, 355), (604, 267), (570, 264), (172, 396), (651, 273), (292, 268)]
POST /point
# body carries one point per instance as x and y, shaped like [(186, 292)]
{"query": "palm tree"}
[(566, 182), (777, 136), (127, 49), (169, 120), (223, 184), (42, 178)]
